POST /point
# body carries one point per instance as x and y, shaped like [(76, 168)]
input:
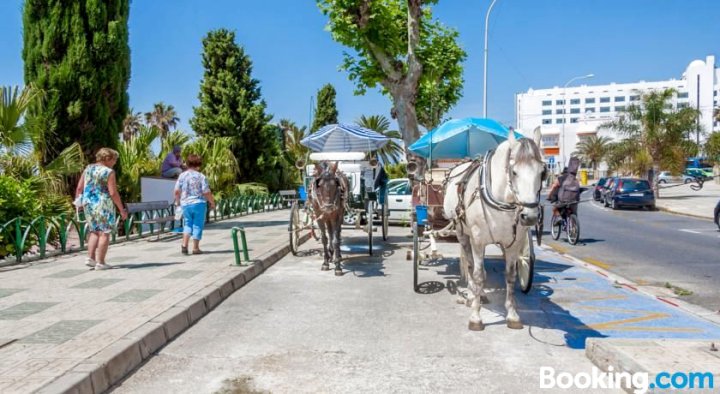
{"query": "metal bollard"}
[(234, 232)]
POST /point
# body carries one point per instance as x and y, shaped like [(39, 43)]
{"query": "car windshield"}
[(400, 188), (634, 184), (602, 181)]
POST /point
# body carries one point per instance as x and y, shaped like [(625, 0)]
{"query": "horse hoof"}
[(325, 268), (515, 325), (338, 273), (476, 326)]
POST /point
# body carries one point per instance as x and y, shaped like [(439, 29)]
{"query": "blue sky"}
[(533, 43)]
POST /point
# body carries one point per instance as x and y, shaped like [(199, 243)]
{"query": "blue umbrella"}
[(461, 138), (344, 138)]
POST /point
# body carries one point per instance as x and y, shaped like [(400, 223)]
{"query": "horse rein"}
[(331, 206)]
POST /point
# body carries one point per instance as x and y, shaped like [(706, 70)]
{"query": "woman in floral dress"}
[(97, 190)]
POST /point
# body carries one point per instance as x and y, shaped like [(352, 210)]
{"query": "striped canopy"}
[(344, 138)]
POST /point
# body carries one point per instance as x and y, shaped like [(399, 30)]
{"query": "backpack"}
[(569, 189)]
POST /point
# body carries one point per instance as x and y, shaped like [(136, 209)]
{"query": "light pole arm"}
[(485, 63)]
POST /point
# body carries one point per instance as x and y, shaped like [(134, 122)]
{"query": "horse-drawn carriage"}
[(492, 199), (340, 182)]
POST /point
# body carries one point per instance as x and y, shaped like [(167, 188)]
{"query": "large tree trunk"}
[(404, 111), (652, 178)]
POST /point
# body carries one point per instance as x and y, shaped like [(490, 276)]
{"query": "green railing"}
[(22, 234)]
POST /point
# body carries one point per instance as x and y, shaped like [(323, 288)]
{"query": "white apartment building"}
[(569, 114)]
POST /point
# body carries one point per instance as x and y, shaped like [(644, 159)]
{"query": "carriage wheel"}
[(385, 217), (369, 219), (294, 227), (415, 254), (555, 227), (308, 222), (573, 229), (526, 265), (539, 226)]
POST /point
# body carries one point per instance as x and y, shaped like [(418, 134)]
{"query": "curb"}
[(109, 366), (619, 280), (668, 210)]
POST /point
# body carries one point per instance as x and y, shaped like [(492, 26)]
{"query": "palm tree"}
[(292, 137), (593, 150), (131, 124), (13, 106), (390, 152), (657, 131), (174, 138), (163, 117), (137, 160)]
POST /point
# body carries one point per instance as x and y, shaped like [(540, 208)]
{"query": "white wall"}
[(157, 189)]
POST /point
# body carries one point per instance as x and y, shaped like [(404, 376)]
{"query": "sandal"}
[(197, 251), (184, 250)]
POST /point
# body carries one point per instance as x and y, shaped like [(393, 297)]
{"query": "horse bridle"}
[(486, 186), (331, 206)]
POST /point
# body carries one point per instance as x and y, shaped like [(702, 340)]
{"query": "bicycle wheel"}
[(294, 227), (555, 227), (573, 229)]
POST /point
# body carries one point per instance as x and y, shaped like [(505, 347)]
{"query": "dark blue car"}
[(630, 192)]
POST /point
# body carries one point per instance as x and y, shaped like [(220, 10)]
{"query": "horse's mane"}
[(527, 152)]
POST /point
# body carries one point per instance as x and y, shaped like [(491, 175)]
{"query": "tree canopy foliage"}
[(326, 110)]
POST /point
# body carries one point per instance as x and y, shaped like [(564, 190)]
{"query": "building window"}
[(547, 112), (604, 109), (573, 120), (620, 108), (574, 110), (547, 121), (559, 111), (559, 121), (682, 105), (559, 102), (546, 102), (550, 140), (619, 99), (635, 98), (682, 95), (604, 99), (590, 100), (575, 102), (589, 110)]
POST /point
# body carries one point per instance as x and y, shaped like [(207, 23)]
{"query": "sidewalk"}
[(685, 201), (66, 327)]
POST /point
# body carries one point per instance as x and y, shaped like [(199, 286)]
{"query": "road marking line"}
[(689, 231), (613, 324), (597, 263)]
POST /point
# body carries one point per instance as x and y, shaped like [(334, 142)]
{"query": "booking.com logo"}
[(639, 382)]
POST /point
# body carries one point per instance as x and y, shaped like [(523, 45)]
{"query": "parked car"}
[(702, 173), (630, 192), (598, 187), (667, 177), (399, 200)]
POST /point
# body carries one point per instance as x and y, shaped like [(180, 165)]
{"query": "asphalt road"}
[(652, 248)]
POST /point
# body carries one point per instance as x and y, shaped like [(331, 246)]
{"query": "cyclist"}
[(566, 189)]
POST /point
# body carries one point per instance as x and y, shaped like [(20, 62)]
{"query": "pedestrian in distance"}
[(97, 194), (172, 166), (193, 195)]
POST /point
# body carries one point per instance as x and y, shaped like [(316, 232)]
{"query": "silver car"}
[(667, 177)]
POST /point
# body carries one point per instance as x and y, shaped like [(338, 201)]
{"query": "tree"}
[(716, 114), (325, 112), (231, 106), (163, 117), (712, 147), (593, 150), (657, 131), (137, 160), (390, 152), (14, 104), (401, 48), (131, 124), (78, 53), (219, 164)]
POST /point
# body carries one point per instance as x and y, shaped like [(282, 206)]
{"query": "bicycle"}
[(564, 222)]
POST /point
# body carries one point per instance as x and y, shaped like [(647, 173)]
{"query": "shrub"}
[(17, 199), (251, 189)]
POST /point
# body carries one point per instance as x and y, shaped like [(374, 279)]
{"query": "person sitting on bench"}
[(173, 166)]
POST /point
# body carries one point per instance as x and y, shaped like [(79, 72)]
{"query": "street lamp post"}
[(564, 114), (485, 66)]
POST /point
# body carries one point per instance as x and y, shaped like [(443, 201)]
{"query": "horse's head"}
[(327, 187), (525, 173)]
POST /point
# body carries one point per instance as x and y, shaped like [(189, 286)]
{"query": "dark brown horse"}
[(328, 194)]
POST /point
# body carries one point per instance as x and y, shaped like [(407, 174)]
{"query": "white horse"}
[(499, 201)]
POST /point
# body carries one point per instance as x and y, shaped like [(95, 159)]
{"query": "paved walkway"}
[(59, 318), (682, 199)]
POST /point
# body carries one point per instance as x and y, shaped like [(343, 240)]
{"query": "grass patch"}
[(679, 291)]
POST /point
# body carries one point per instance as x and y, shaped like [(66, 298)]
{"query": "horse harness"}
[(331, 206), (484, 190)]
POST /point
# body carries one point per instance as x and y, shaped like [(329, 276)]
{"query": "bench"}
[(152, 213), (287, 196)]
